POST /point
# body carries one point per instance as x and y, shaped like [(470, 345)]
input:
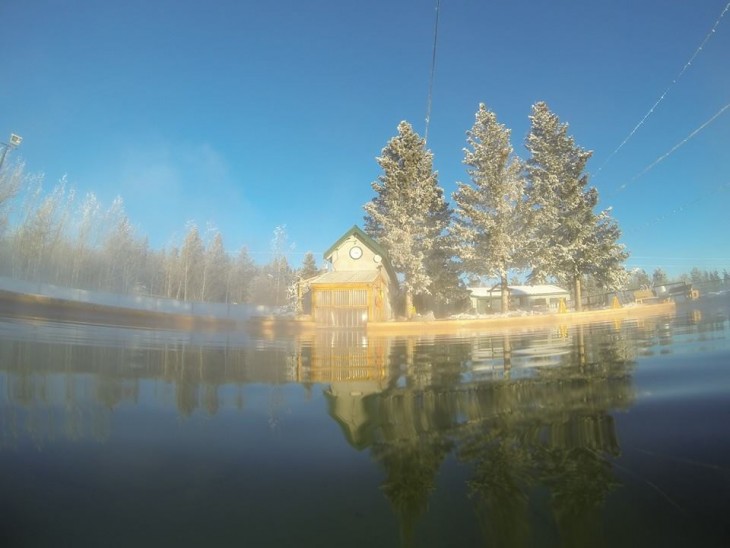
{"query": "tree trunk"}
[(409, 304), (507, 355), (505, 292), (578, 295), (204, 281)]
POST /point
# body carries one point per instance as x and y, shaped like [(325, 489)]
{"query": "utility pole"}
[(13, 142)]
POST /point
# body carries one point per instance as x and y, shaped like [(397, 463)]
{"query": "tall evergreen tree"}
[(409, 214), (638, 279), (446, 292), (568, 240), (243, 274), (659, 277), (309, 266), (489, 221)]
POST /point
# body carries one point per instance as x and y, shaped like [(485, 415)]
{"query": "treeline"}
[(701, 278), (60, 238)]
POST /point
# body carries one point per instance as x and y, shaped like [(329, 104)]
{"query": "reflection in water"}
[(546, 428), (529, 414)]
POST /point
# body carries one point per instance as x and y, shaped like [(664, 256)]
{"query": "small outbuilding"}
[(356, 289), (486, 300)]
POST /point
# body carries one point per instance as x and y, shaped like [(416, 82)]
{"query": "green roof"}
[(367, 241)]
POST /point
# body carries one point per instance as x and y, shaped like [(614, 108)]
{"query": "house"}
[(485, 300), (356, 289)]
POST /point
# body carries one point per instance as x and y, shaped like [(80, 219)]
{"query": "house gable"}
[(356, 251)]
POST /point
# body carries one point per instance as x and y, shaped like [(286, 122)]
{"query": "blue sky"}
[(250, 115)]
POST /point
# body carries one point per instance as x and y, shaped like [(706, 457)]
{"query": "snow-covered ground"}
[(135, 302)]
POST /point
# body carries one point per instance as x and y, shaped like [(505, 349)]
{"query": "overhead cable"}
[(433, 71), (669, 87), (672, 150)]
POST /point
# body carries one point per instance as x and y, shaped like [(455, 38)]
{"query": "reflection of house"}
[(342, 356), (354, 406), (358, 286), (526, 297)]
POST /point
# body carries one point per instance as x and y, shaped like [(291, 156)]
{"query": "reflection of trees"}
[(538, 437), (502, 474), (553, 432), (538, 431), (410, 469), (70, 390), (579, 480)]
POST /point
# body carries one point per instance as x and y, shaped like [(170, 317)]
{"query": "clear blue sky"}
[(251, 115)]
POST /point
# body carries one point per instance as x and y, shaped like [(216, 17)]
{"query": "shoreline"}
[(274, 325), (40, 307), (554, 318)]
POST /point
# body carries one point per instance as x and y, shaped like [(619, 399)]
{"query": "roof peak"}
[(367, 241)]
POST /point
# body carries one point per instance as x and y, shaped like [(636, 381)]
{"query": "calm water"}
[(605, 435)]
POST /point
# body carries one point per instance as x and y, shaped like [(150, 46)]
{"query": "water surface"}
[(612, 434)]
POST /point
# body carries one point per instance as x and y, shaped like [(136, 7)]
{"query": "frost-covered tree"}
[(11, 179), (309, 266), (216, 264), (638, 279), (568, 239), (489, 221), (659, 277), (125, 254), (242, 274), (409, 215), (191, 263), (40, 234), (446, 292), (697, 276), (88, 225), (278, 270)]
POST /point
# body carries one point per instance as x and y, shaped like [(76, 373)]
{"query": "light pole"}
[(13, 142)]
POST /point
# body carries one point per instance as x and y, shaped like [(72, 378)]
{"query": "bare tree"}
[(215, 271), (11, 179), (191, 262)]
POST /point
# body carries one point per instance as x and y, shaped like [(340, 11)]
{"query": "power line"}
[(669, 87), (671, 151), (647, 258), (433, 71)]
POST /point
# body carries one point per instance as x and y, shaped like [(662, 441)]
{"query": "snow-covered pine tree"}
[(409, 215), (659, 277), (309, 266), (446, 292), (489, 221), (568, 240)]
